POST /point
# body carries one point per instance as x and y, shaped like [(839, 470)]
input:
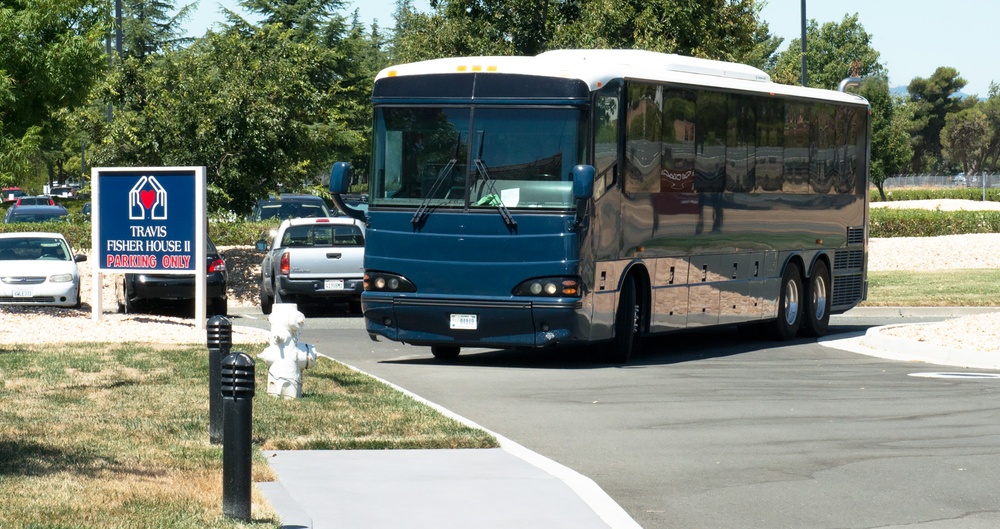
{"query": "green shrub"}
[(958, 193), (891, 222)]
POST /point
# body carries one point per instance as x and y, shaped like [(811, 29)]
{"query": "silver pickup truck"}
[(313, 259)]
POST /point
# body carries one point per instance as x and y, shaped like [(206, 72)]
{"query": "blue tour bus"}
[(584, 196)]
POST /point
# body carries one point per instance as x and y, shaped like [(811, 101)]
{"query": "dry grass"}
[(116, 436)]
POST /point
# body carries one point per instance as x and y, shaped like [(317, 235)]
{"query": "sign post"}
[(149, 220)]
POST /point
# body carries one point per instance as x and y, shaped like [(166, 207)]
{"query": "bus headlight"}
[(554, 287), (386, 282)]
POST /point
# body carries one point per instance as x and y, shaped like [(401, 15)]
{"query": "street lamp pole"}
[(118, 26), (804, 43)]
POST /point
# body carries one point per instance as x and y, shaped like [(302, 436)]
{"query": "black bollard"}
[(220, 342), (237, 429)]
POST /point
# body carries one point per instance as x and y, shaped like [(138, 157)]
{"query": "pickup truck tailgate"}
[(326, 262)]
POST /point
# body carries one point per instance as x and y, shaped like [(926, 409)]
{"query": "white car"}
[(38, 269)]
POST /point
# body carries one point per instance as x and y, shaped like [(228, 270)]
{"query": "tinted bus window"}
[(605, 139), (823, 166), (797, 147), (644, 122), (710, 142), (677, 170), (770, 145), (740, 144)]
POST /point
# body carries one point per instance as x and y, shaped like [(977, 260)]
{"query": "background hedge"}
[(891, 222), (958, 193)]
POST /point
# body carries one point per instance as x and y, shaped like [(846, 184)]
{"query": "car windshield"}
[(322, 236), (476, 157), (34, 216), (34, 249), (291, 210)]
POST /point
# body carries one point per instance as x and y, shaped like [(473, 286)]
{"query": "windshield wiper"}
[(418, 216), (496, 200)]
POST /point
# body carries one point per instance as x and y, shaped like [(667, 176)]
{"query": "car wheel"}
[(126, 304), (219, 307), (266, 303), (287, 298)]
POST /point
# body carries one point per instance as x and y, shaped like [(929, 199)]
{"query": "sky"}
[(914, 37)]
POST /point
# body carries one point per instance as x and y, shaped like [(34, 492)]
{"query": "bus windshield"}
[(477, 157)]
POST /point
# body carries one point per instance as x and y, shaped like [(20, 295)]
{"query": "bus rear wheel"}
[(817, 314), (626, 341), (789, 305), (445, 352)]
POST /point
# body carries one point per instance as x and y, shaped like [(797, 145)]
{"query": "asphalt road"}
[(711, 430)]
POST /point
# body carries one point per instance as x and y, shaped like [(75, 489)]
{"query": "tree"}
[(933, 99), (890, 141), (362, 57), (51, 55), (965, 139), (833, 52), (991, 108), (716, 29), (255, 105), (148, 29)]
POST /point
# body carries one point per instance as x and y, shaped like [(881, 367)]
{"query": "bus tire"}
[(789, 305), (626, 341), (816, 319), (445, 352)]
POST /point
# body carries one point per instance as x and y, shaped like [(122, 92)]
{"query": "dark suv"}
[(287, 206), (138, 289)]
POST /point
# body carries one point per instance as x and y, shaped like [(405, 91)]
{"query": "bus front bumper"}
[(469, 323)]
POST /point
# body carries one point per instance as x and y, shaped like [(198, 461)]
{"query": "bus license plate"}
[(333, 284), (22, 293), (464, 321)]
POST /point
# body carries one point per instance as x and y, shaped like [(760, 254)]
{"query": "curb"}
[(876, 344), (894, 348)]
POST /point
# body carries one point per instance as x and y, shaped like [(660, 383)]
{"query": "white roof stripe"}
[(598, 67)]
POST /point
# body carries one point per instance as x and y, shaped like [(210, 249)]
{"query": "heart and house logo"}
[(147, 200)]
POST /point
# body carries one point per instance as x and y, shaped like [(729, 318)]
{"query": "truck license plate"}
[(22, 293), (464, 321), (333, 284)]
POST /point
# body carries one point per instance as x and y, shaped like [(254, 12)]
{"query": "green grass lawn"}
[(116, 436), (938, 288)]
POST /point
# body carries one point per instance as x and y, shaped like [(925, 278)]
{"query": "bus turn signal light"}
[(554, 287)]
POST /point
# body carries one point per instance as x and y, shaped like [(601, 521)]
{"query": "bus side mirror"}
[(583, 181), (340, 183), (340, 178)]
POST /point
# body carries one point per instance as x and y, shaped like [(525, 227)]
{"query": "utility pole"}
[(804, 43)]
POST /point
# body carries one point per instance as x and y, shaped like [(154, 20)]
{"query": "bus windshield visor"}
[(476, 157)]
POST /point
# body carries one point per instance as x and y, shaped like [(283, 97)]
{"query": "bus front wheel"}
[(789, 305), (817, 314), (626, 341), (445, 352)]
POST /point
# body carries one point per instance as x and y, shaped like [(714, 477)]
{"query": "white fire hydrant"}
[(286, 357)]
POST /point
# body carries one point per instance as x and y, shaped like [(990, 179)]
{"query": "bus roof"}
[(598, 67)]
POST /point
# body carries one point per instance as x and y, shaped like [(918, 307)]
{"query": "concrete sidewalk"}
[(416, 489)]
